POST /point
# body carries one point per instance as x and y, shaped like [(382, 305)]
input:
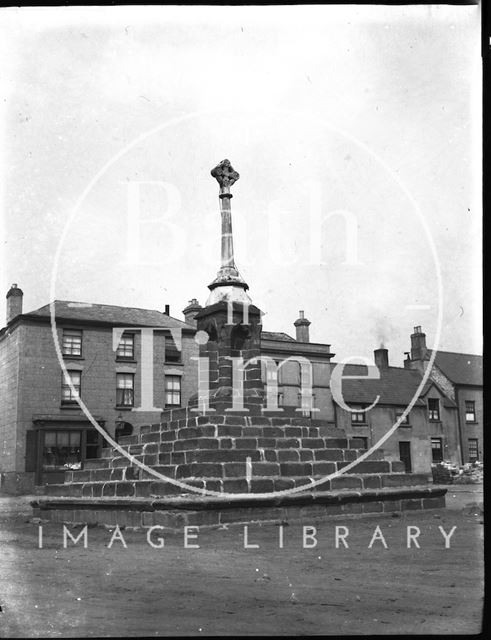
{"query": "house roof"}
[(396, 386), (460, 368), (276, 335), (110, 314)]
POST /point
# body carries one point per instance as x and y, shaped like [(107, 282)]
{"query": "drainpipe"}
[(459, 422)]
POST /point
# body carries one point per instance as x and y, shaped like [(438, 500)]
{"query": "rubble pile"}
[(447, 472)]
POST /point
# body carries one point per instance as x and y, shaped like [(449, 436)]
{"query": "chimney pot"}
[(381, 357)]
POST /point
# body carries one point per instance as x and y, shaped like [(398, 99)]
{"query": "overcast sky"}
[(356, 132)]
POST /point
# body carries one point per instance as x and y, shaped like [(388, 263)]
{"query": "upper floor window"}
[(126, 347), (72, 342), (399, 412), (470, 411), (359, 416), (172, 391), (434, 409), (68, 396), (172, 353), (125, 385)]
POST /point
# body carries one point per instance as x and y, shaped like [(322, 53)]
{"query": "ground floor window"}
[(436, 449), (473, 449), (61, 450), (172, 391)]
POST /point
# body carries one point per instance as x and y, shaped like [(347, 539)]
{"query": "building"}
[(42, 428), (454, 398)]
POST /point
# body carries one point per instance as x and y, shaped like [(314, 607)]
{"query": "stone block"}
[(372, 482), (371, 466), (372, 507), (288, 455), (323, 468), (329, 455), (287, 443), (436, 502), (411, 504), (345, 482), (313, 443), (266, 469), (296, 468), (262, 485), (235, 485), (306, 455), (125, 489)]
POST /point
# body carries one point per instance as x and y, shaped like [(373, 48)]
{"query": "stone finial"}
[(225, 175)]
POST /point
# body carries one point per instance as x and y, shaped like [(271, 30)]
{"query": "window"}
[(172, 353), (470, 411), (436, 449), (399, 412), (61, 450), (172, 391), (67, 395), (473, 450), (358, 417), (72, 342), (280, 399), (434, 409), (125, 383), (126, 347)]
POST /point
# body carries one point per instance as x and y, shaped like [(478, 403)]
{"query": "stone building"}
[(454, 397)]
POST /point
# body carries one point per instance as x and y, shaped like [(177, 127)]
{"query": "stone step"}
[(154, 487)]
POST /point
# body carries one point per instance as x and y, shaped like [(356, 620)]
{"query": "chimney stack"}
[(167, 310), (381, 357), (14, 302), (191, 311), (302, 327), (418, 344)]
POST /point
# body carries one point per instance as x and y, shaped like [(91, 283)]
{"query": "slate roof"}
[(114, 315), (277, 335), (396, 386), (460, 368)]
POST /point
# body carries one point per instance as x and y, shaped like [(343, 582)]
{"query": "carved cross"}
[(225, 175)]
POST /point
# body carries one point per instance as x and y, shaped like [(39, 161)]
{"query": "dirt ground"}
[(223, 589)]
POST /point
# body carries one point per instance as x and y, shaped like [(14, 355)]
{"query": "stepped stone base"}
[(234, 454), (176, 513)]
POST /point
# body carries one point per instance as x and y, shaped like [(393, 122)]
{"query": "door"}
[(405, 455)]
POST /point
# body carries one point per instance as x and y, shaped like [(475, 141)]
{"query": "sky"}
[(356, 131)]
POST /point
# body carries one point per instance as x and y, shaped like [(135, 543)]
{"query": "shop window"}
[(61, 450)]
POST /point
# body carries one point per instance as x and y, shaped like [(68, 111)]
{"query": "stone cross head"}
[(225, 175)]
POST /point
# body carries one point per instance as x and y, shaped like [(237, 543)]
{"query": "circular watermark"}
[(201, 339)]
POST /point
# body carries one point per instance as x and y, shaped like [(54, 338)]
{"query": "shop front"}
[(58, 445)]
